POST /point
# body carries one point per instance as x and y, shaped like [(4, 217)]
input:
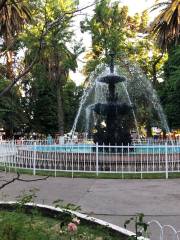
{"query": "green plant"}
[(26, 197), (141, 227), (69, 206)]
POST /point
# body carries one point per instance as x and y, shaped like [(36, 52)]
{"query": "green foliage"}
[(11, 112), (71, 97), (26, 197), (40, 103), (125, 35), (59, 203), (13, 16), (169, 90), (49, 78), (165, 26), (141, 227), (20, 226), (43, 102), (113, 30)]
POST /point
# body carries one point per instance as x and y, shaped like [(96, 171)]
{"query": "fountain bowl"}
[(112, 78)]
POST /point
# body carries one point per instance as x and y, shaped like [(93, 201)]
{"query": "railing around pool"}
[(41, 156)]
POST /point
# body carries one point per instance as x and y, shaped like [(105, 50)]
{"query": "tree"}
[(56, 58), (166, 26), (12, 118), (169, 90), (44, 41), (166, 29), (110, 28), (13, 16)]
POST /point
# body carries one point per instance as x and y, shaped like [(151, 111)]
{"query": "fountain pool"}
[(90, 148)]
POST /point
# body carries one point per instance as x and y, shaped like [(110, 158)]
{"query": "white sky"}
[(135, 6)]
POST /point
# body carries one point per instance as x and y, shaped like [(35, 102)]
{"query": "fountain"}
[(106, 111), (111, 127)]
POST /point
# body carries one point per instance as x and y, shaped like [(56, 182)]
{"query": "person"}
[(49, 139)]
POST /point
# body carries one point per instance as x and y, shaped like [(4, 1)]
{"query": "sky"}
[(135, 6)]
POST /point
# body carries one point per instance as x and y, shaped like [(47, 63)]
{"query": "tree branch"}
[(17, 178), (10, 181), (33, 180), (154, 71)]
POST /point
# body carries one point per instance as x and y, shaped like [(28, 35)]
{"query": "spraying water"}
[(150, 93), (129, 99), (85, 96), (82, 102)]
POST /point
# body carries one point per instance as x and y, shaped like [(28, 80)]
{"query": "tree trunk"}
[(154, 70), (148, 128), (9, 64), (57, 74), (9, 56), (60, 112)]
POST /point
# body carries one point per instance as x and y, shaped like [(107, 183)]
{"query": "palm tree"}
[(13, 16), (166, 26)]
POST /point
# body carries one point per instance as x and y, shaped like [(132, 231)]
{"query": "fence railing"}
[(164, 231), (43, 155)]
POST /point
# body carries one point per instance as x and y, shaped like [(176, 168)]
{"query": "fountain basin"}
[(90, 148), (112, 78)]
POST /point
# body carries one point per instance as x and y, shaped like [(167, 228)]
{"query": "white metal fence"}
[(49, 156), (163, 232)]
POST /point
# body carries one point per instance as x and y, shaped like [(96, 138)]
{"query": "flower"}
[(76, 220), (72, 227)]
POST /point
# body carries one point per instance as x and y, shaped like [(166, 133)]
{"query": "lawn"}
[(101, 175)]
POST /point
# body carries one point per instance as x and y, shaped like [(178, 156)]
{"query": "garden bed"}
[(41, 222)]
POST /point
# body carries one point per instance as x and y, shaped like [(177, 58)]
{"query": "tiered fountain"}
[(111, 127)]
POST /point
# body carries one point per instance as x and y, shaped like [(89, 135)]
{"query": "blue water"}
[(66, 148), (138, 149)]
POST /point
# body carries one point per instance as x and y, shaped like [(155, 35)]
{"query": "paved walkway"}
[(111, 200)]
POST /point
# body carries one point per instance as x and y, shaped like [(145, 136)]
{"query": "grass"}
[(100, 175), (33, 226)]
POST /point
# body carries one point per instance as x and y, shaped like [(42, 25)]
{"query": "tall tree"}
[(110, 27), (166, 30), (166, 25), (56, 59), (169, 90), (13, 16)]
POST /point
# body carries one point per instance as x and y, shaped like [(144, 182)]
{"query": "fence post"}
[(166, 159), (34, 159), (55, 155), (97, 161), (72, 163)]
